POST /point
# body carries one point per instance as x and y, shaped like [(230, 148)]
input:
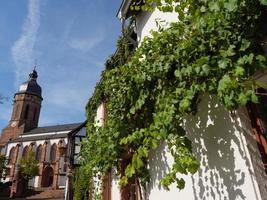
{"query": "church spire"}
[(33, 75), (26, 109)]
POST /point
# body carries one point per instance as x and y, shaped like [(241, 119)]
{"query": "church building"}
[(49, 143)]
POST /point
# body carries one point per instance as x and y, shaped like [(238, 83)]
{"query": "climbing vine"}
[(213, 49)]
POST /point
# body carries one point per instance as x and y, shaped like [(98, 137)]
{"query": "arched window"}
[(12, 155), (17, 112), (53, 153), (39, 153), (34, 114), (26, 113), (25, 151)]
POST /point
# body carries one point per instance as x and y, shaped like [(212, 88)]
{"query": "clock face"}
[(22, 87), (13, 124)]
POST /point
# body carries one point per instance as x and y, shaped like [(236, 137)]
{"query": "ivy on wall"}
[(213, 49)]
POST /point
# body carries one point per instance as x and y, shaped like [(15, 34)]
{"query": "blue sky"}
[(70, 39)]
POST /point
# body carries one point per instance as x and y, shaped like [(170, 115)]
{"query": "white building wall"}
[(48, 148), (100, 115), (220, 142), (36, 181), (226, 170), (147, 22), (115, 190)]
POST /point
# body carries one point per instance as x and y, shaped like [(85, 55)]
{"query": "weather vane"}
[(35, 64)]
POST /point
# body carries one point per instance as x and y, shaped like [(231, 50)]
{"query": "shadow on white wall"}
[(225, 170)]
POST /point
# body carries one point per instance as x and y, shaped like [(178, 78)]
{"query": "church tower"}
[(26, 109)]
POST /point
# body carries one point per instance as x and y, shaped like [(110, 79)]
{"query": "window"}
[(134, 189), (7, 172), (25, 151), (106, 186), (26, 113), (34, 114), (12, 155), (53, 153), (17, 111), (39, 153), (131, 191)]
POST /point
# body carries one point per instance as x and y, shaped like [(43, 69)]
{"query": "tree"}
[(2, 99), (2, 164), (29, 166)]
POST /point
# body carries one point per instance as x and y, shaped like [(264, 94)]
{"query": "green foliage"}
[(213, 49), (29, 166), (81, 183), (124, 49), (2, 164), (263, 2)]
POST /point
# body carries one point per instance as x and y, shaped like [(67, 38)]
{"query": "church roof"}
[(31, 86), (56, 128), (40, 133), (40, 137)]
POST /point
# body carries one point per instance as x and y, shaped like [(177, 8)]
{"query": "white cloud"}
[(68, 95), (86, 44), (22, 50)]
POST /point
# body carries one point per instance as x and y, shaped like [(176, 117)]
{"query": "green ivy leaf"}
[(224, 83), (231, 5), (223, 63), (180, 183), (239, 71), (184, 105), (214, 6), (244, 45), (254, 98), (263, 2), (242, 99)]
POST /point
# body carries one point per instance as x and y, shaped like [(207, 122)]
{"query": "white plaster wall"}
[(4, 180), (40, 142), (225, 172), (115, 190), (48, 148), (31, 182), (24, 144), (55, 141), (100, 115), (36, 180), (9, 147), (3, 150), (146, 22)]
